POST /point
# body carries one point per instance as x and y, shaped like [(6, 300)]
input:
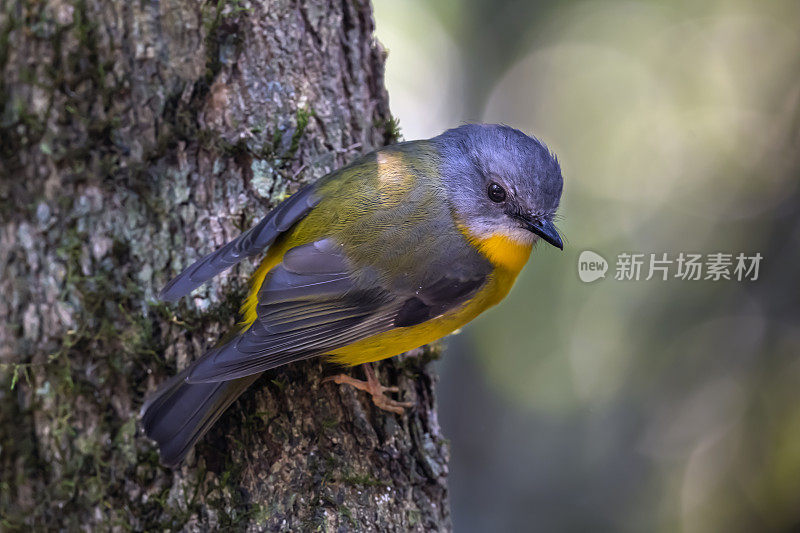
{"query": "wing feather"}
[(249, 243), (313, 303)]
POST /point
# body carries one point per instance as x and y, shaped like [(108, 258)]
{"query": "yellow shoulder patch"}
[(394, 179)]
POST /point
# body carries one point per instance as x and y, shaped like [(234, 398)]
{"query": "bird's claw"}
[(374, 388)]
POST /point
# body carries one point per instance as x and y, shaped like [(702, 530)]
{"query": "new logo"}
[(591, 266)]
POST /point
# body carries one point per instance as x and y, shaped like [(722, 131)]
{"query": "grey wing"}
[(249, 243), (312, 304)]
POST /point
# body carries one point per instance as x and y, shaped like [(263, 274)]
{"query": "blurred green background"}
[(626, 405)]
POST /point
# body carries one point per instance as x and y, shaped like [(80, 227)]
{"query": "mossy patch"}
[(87, 452)]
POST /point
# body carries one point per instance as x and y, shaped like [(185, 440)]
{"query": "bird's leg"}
[(372, 386)]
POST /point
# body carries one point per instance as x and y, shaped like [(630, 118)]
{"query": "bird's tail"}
[(179, 413)]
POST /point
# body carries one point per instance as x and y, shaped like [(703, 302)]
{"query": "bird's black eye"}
[(496, 193)]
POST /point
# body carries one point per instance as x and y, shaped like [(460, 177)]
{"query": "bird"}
[(393, 251)]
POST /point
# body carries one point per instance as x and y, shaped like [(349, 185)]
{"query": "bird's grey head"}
[(501, 181)]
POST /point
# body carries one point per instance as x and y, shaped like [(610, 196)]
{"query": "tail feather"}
[(179, 413)]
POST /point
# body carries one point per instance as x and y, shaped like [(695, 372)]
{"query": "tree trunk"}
[(136, 137)]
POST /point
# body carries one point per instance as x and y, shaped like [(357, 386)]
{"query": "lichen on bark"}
[(135, 137)]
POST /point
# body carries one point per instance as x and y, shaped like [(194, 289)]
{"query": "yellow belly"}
[(399, 340), (506, 255)]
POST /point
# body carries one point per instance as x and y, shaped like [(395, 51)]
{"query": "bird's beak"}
[(546, 230)]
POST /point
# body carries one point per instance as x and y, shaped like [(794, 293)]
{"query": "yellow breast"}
[(507, 255)]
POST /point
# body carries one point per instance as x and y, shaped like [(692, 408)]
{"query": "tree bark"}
[(135, 137)]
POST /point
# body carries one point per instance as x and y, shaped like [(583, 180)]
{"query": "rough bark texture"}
[(136, 137)]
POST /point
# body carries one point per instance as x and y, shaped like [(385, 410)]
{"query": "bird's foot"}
[(373, 386)]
